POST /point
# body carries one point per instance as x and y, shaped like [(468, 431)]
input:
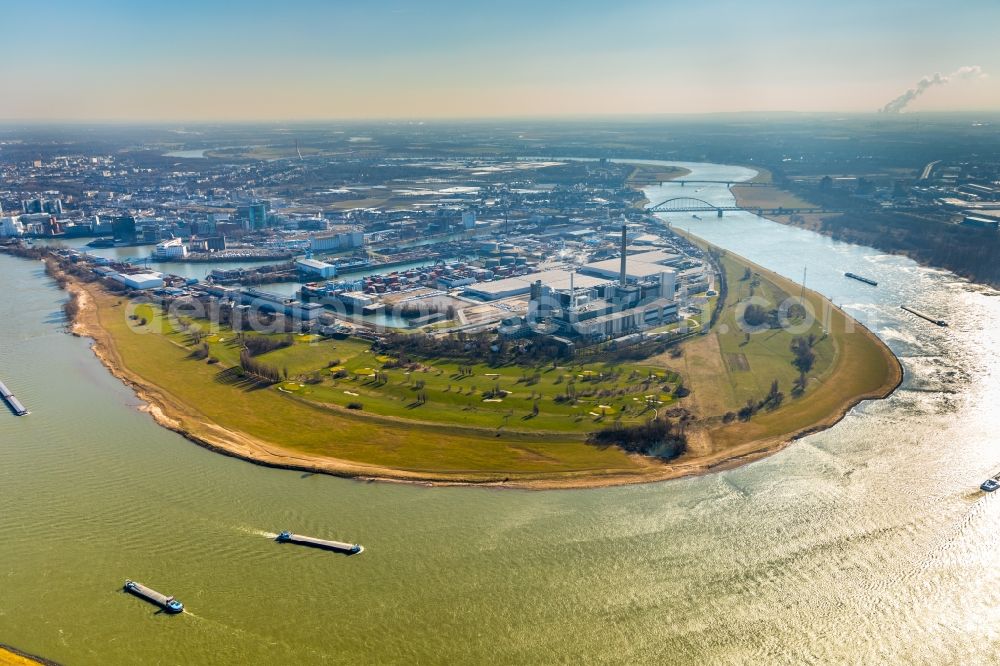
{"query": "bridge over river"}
[(694, 205), (686, 181)]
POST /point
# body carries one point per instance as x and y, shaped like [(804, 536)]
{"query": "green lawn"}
[(724, 369), (202, 394), (766, 356), (483, 396)]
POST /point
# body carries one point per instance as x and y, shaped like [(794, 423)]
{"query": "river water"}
[(866, 543)]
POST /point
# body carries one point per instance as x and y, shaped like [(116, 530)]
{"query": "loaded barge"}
[(14, 403), (168, 604), (861, 278), (339, 546), (933, 320)]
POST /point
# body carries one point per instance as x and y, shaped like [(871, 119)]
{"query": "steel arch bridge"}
[(688, 205)]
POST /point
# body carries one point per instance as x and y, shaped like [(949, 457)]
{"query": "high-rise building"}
[(11, 226), (123, 228), (257, 216)]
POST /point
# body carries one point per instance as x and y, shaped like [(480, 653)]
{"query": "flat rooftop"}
[(634, 270), (555, 278)]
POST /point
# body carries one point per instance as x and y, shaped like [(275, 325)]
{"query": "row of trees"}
[(258, 369), (261, 344), (414, 310), (471, 348)]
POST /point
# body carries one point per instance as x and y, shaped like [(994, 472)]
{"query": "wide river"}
[(866, 543)]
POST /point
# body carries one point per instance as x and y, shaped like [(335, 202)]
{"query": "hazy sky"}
[(213, 60)]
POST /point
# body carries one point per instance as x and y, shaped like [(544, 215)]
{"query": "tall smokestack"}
[(623, 278)]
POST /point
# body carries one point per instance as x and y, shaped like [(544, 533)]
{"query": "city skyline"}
[(315, 61)]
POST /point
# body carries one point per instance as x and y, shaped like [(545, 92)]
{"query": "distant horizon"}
[(646, 117), (188, 61)]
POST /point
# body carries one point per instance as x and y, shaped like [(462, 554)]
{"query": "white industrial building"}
[(345, 240), (516, 286), (314, 268), (639, 267), (147, 280), (170, 249)]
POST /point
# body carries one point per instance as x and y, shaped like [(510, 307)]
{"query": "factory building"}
[(208, 243), (346, 240), (311, 268), (517, 286), (290, 307), (148, 280), (641, 266), (644, 297)]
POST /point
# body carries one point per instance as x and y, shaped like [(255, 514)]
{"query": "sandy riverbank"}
[(13, 657), (173, 413)]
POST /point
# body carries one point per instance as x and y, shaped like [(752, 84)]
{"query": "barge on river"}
[(933, 320), (861, 278), (15, 404), (168, 604), (338, 546)]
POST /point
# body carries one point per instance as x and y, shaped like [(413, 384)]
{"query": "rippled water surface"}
[(868, 542)]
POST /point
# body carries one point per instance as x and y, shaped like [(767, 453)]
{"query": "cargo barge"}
[(933, 320), (861, 278), (168, 604), (15, 404), (338, 546)]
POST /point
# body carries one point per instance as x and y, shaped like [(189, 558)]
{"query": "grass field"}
[(343, 372), (642, 173), (726, 368), (647, 172), (199, 396), (752, 198)]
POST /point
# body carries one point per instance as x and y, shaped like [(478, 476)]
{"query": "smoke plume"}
[(900, 103)]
